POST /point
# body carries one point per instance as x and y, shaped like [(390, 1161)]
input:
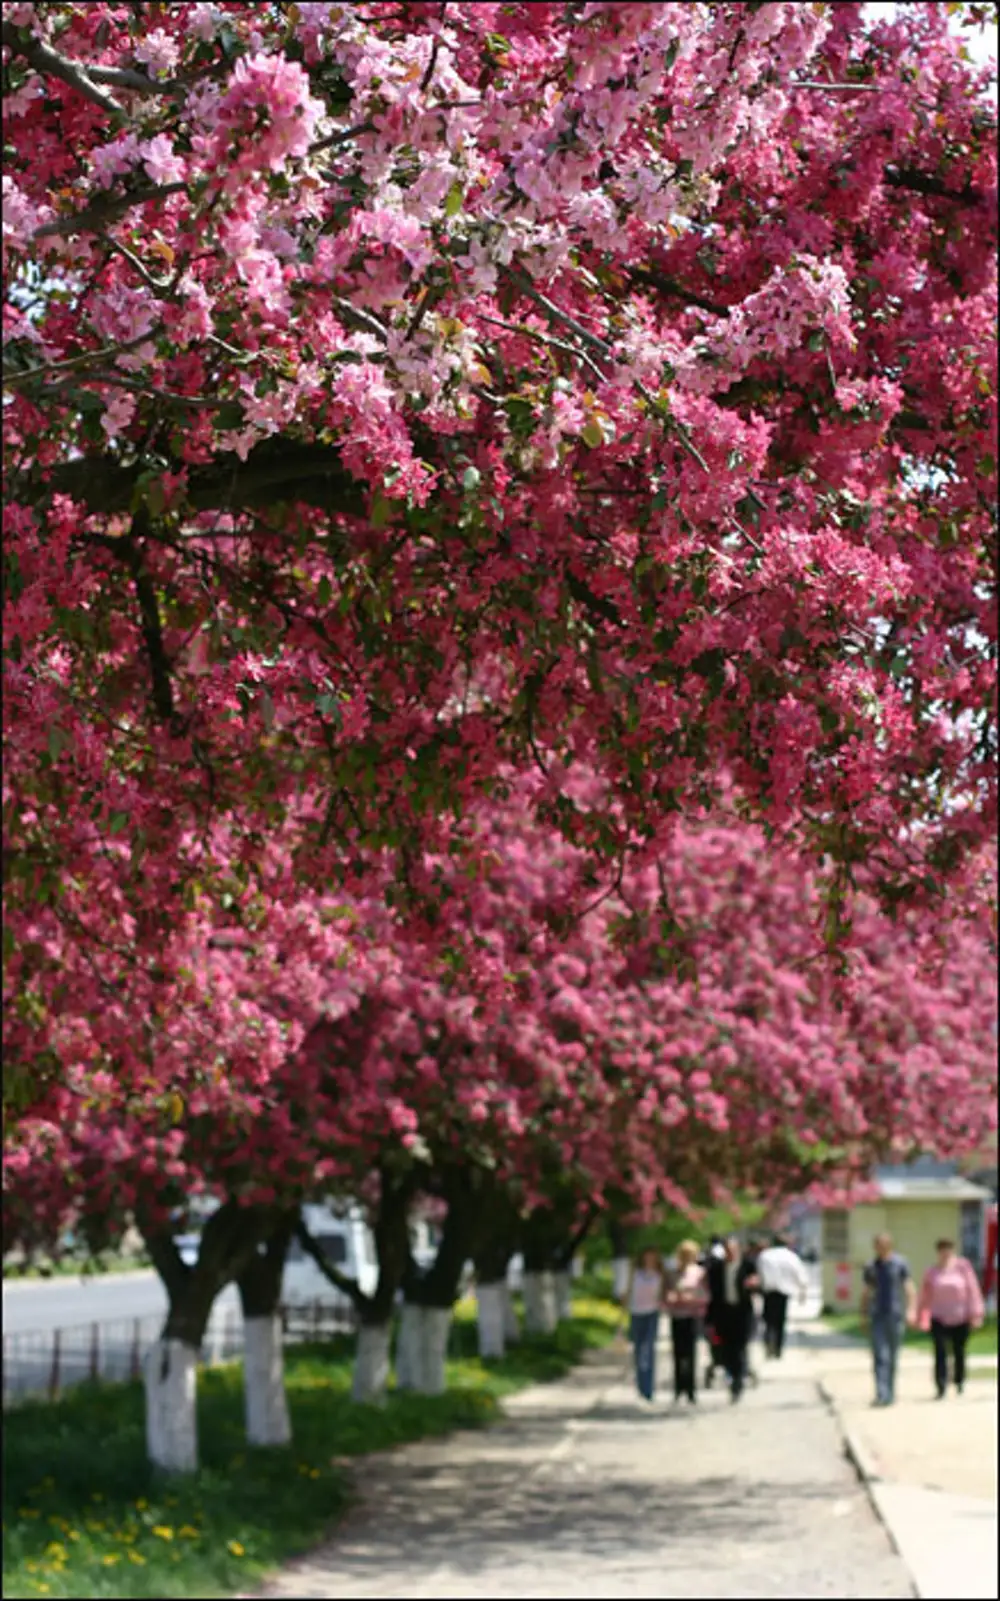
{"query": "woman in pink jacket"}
[(950, 1304)]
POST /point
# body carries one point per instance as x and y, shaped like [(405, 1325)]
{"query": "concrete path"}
[(930, 1466), (585, 1492)]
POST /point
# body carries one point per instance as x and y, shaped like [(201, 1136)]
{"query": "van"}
[(346, 1242)]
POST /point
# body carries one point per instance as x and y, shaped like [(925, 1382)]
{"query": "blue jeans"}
[(887, 1336), (643, 1336)]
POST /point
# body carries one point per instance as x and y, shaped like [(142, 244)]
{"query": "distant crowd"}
[(726, 1292)]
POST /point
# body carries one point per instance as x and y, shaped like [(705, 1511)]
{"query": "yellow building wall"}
[(914, 1226)]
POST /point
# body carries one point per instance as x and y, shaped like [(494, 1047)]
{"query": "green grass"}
[(982, 1342), (84, 1515)]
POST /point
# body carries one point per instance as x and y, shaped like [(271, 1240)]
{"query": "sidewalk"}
[(929, 1465), (584, 1491)]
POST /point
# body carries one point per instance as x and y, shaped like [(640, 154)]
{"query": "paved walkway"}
[(930, 1466), (585, 1492)]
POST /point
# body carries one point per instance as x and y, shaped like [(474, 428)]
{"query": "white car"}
[(346, 1242)]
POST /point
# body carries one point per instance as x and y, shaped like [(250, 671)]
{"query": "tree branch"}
[(923, 183), (152, 629), (339, 1280)]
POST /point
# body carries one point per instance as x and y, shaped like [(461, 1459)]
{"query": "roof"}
[(932, 1189)]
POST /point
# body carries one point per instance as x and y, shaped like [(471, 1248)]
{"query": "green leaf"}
[(454, 200), (593, 434), (119, 820), (471, 478), (58, 740), (381, 511), (324, 592)]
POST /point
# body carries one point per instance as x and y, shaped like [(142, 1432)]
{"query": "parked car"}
[(347, 1243)]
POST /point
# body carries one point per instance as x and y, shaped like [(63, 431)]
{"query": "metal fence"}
[(46, 1362)]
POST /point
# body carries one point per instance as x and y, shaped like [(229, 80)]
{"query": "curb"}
[(866, 1468)]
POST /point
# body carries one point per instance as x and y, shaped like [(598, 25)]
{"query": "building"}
[(918, 1205)]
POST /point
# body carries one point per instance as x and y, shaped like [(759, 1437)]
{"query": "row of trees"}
[(499, 649), (525, 1069)]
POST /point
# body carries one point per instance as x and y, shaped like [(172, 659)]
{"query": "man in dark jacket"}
[(731, 1279)]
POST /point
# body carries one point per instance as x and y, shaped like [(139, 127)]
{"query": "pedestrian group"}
[(711, 1291)]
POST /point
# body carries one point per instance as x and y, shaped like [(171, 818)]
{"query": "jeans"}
[(684, 1335), (643, 1334), (955, 1335), (775, 1312), (887, 1336)]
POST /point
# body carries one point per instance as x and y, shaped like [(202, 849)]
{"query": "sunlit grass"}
[(85, 1516)]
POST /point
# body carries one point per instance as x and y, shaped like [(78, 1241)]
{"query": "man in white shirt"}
[(781, 1273)]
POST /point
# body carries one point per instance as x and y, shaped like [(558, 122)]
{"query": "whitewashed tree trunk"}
[(490, 1299), (620, 1269), (539, 1303), (408, 1346), (511, 1321), (577, 1266), (170, 1374), (267, 1417), (434, 1349), (563, 1292), (371, 1363)]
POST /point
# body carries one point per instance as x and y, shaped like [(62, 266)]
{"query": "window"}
[(333, 1248), (836, 1235), (971, 1227)]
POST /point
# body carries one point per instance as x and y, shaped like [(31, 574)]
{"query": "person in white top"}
[(781, 1275), (643, 1300)]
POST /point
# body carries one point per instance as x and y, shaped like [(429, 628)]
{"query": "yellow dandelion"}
[(28, 1512), (54, 1549), (170, 1500), (187, 1532), (163, 1531), (235, 1548), (72, 1534), (314, 1473), (111, 1558), (97, 1496), (142, 1505), (140, 1561), (43, 1588), (32, 1567)]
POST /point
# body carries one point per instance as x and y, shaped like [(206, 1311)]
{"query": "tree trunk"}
[(170, 1374), (371, 1363), (511, 1322), (408, 1346), (266, 1405), (490, 1319), (267, 1420), (619, 1276), (563, 1295), (539, 1302), (228, 1242)]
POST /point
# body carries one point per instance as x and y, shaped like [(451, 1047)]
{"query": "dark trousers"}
[(684, 1334), (734, 1331), (955, 1335), (775, 1312), (644, 1327)]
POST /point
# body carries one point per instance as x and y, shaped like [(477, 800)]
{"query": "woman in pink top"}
[(950, 1304)]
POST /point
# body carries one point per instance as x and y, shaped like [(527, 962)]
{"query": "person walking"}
[(714, 1251), (950, 1304), (888, 1302), (644, 1297), (686, 1301), (781, 1274), (731, 1281)]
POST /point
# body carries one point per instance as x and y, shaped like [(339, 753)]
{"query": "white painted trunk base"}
[(490, 1317), (422, 1348), (620, 1268), (563, 1291), (408, 1346), (170, 1373), (267, 1417), (511, 1321), (539, 1303), (371, 1363)]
